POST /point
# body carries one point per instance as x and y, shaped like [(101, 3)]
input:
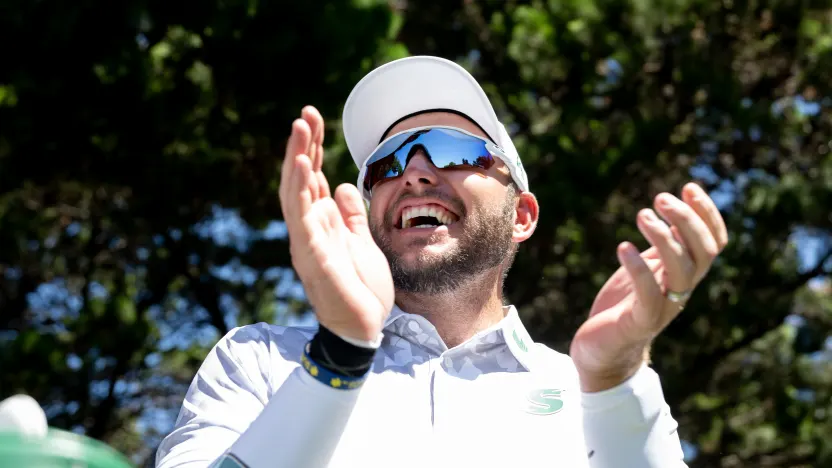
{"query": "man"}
[(417, 361)]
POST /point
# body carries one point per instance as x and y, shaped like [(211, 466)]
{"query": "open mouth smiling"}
[(424, 216)]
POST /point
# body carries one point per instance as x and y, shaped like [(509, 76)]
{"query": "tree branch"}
[(104, 412), (816, 271), (704, 364)]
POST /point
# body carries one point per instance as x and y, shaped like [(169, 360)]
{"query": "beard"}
[(485, 243)]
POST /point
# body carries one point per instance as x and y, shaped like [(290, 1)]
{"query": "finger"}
[(678, 265), (323, 185), (299, 196), (698, 239), (677, 236), (353, 210), (705, 207), (320, 188), (296, 202), (289, 188), (298, 140), (647, 289), (316, 124), (622, 281), (651, 253)]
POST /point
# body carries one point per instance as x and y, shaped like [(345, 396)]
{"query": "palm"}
[(353, 265), (620, 286), (615, 319), (345, 275)]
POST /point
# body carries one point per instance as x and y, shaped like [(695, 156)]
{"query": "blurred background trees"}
[(140, 144)]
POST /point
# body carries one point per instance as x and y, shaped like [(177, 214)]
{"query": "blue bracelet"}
[(326, 376)]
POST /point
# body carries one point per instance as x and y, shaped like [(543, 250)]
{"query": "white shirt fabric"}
[(498, 399)]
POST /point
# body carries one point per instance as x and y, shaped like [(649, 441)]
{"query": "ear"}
[(527, 212)]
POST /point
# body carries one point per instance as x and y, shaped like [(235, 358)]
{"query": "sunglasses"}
[(445, 147)]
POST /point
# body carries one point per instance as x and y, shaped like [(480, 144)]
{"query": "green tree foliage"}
[(126, 129), (134, 139)]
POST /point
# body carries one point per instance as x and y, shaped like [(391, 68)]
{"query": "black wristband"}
[(331, 352)]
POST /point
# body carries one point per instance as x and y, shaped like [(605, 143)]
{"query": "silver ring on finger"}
[(676, 297)]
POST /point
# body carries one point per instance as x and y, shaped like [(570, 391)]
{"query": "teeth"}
[(442, 215)]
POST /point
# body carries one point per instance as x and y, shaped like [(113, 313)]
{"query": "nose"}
[(420, 170)]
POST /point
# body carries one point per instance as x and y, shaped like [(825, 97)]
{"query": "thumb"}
[(647, 313), (353, 210)]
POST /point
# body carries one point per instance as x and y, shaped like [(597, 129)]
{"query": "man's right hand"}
[(345, 275)]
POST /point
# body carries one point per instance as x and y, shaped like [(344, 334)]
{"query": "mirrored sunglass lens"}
[(449, 149), (446, 149), (391, 146), (383, 161), (390, 166)]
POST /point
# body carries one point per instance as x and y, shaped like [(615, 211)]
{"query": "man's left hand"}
[(650, 288)]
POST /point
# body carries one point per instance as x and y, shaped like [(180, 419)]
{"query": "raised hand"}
[(346, 277), (650, 288)]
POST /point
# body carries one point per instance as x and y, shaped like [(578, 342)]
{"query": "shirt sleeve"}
[(630, 425), (229, 418)]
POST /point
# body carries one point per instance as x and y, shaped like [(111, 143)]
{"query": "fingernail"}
[(629, 251)]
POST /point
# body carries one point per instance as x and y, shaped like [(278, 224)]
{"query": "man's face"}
[(474, 209)]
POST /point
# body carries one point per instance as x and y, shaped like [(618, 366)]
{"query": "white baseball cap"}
[(413, 85)]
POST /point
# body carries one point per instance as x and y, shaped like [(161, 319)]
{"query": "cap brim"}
[(409, 86)]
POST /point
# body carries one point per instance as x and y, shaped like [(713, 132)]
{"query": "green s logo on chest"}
[(544, 401)]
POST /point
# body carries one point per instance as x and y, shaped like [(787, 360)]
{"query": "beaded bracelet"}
[(326, 376)]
